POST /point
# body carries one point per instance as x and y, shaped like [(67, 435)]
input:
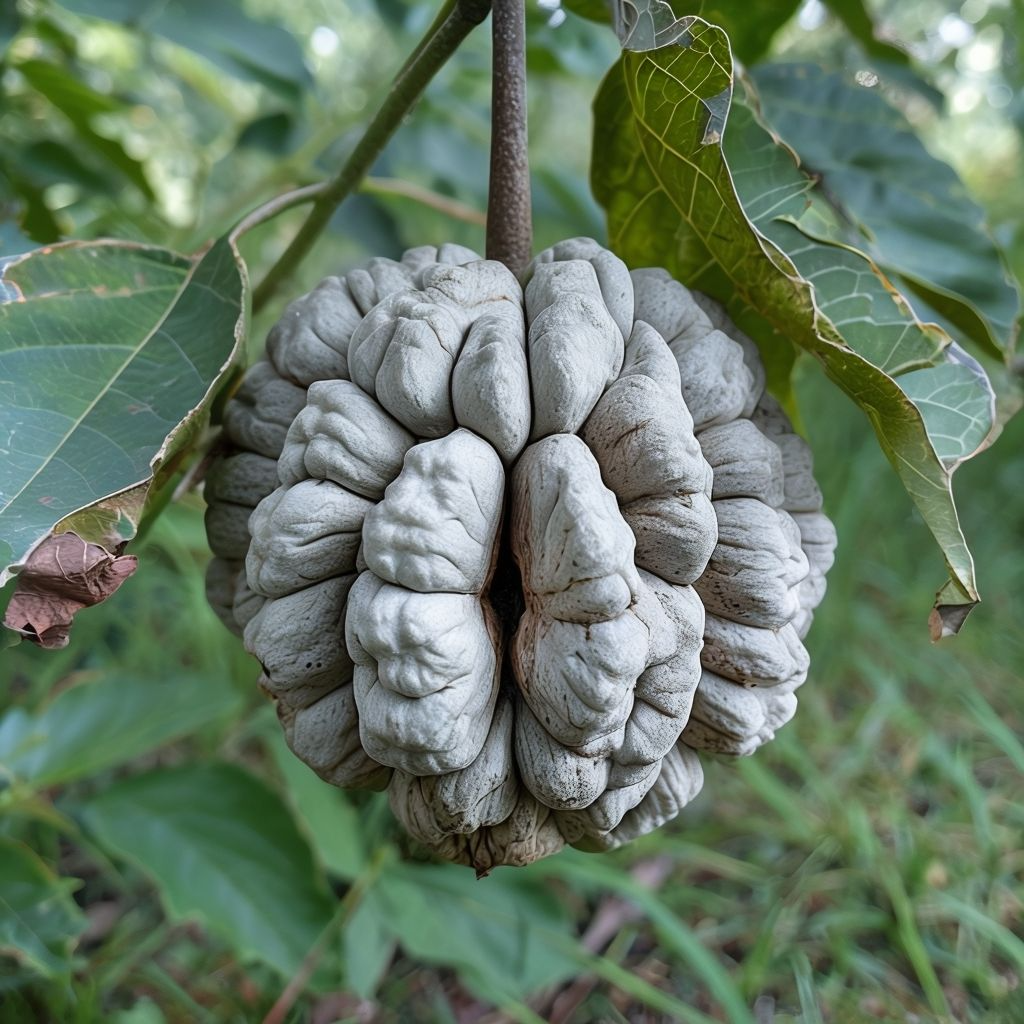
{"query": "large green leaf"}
[(39, 921), (222, 848), (221, 32), (910, 212), (109, 355), (110, 721), (324, 812), (505, 934), (737, 228)]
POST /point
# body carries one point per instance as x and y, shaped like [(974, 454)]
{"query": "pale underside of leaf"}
[(736, 236), (902, 206)]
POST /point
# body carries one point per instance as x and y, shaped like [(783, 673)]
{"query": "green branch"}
[(426, 61)]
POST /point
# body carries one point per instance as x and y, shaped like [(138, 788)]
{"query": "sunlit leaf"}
[(224, 33), (81, 104), (750, 27), (858, 22)]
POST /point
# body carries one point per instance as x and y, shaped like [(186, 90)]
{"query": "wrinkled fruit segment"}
[(516, 551)]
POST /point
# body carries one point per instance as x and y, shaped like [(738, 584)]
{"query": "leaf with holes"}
[(730, 212)]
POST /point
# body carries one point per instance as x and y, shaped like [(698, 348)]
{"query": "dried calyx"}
[(517, 550)]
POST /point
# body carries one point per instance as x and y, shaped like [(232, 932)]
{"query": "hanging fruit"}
[(517, 549)]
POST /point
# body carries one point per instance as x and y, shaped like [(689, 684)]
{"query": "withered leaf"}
[(63, 575)]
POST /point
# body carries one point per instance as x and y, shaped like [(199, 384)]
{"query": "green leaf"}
[(909, 211), (505, 934), (368, 945), (48, 162), (223, 33), (736, 228), (223, 849), (857, 21), (273, 133), (750, 27), (10, 25), (80, 104), (110, 353), (96, 725), (39, 921), (592, 10), (36, 219), (647, 24), (326, 813)]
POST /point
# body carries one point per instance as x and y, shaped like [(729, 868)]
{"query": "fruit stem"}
[(426, 60), (509, 224)]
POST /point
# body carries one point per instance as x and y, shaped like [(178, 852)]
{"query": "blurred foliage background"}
[(163, 857)]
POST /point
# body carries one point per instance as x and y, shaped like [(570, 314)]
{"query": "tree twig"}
[(425, 197), (509, 224), (405, 91), (278, 204)]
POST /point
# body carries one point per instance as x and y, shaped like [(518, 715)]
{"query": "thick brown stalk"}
[(509, 224)]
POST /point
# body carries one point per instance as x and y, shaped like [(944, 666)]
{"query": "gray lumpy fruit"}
[(518, 551)]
